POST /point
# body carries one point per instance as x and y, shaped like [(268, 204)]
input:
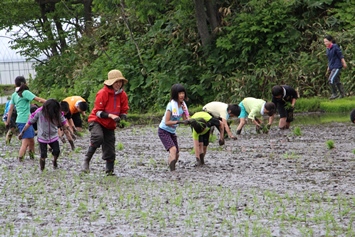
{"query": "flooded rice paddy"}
[(285, 183)]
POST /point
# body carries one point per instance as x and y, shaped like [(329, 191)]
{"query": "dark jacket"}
[(289, 94), (334, 55)]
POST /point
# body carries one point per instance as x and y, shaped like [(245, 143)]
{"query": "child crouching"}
[(48, 118)]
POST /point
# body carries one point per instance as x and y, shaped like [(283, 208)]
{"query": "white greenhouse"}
[(12, 64)]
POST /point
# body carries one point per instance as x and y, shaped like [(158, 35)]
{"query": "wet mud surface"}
[(276, 184)]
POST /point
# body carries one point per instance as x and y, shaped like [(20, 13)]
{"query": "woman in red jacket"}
[(111, 105)]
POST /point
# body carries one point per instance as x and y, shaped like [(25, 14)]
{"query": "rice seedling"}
[(119, 146), (330, 144), (290, 155), (297, 131), (77, 150), (213, 138)]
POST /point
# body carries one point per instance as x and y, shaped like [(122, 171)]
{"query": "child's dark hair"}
[(330, 38), (51, 111), (33, 108), (83, 106), (277, 90), (269, 106), (235, 109), (352, 116), (20, 82), (64, 106), (175, 90)]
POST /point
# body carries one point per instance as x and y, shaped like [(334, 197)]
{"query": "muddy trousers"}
[(101, 136)]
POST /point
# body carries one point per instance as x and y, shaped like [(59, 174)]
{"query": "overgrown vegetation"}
[(253, 45)]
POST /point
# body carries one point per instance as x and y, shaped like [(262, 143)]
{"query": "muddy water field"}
[(284, 183)]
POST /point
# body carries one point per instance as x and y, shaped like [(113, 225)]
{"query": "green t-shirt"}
[(207, 117), (23, 105)]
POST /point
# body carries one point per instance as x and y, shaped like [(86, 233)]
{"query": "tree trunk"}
[(88, 16), (201, 21), (61, 33), (47, 29), (212, 13)]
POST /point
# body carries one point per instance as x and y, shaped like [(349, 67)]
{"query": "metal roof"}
[(6, 53)]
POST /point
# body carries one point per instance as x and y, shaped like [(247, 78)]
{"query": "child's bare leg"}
[(282, 123), (31, 147), (172, 158), (23, 148)]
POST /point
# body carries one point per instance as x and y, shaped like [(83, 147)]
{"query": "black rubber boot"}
[(42, 163), (198, 161), (202, 159), (87, 159), (341, 90), (172, 165), (110, 167), (334, 92), (55, 164), (239, 131)]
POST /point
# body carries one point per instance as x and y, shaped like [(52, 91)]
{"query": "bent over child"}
[(48, 119), (201, 123), (253, 108)]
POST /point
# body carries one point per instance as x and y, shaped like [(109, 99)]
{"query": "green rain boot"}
[(334, 92), (341, 90)]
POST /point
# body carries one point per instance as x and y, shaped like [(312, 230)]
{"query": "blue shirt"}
[(171, 129), (334, 55)]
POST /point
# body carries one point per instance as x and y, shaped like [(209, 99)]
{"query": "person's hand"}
[(233, 137), (62, 138), (185, 122), (117, 119), (266, 129), (73, 136), (221, 142), (20, 135), (7, 125), (72, 146), (123, 117)]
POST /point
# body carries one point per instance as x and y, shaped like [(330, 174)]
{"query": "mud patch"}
[(275, 184)]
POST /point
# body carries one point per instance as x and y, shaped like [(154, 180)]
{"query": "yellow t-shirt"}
[(207, 117)]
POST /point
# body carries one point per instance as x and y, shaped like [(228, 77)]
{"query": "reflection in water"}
[(317, 118)]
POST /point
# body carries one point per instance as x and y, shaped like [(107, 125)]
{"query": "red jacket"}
[(106, 100)]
